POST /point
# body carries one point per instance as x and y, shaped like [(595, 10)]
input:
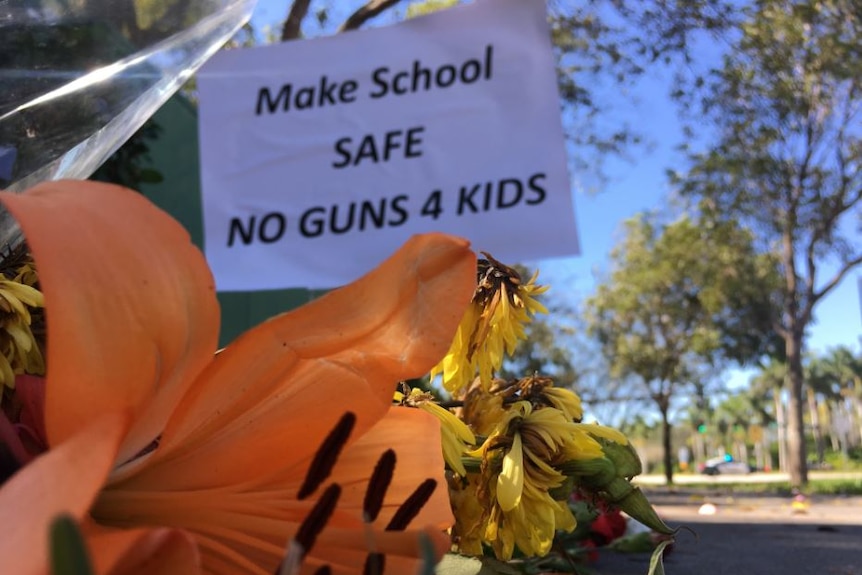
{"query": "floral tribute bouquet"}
[(130, 445)]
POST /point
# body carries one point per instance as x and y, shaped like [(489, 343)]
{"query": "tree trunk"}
[(781, 425), (796, 449), (814, 416), (833, 419), (666, 443), (857, 403)]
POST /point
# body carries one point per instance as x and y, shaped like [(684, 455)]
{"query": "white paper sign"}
[(320, 157)]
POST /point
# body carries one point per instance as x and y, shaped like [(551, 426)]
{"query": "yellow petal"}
[(129, 302), (605, 432), (510, 482)]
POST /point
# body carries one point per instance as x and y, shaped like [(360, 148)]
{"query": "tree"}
[(787, 159), (543, 352), (837, 375), (743, 416), (681, 300)]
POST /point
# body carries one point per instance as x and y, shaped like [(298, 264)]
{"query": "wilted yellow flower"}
[(455, 434), (565, 400), (483, 408), (523, 452), (530, 526), (19, 351), (471, 513), (491, 326)]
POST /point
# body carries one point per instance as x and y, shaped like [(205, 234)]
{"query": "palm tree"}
[(769, 383), (843, 370)]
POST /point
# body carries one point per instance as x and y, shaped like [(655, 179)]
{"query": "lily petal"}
[(129, 300), (267, 401), (346, 551), (411, 434), (241, 530), (64, 480), (142, 551)]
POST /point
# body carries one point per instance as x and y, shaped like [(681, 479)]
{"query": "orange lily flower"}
[(285, 436)]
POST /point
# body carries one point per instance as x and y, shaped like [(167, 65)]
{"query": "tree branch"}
[(836, 279), (366, 13), (291, 28)]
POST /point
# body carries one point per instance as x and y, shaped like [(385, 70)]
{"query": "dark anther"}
[(378, 485), (374, 564), (314, 523), (322, 570), (327, 455), (411, 508)]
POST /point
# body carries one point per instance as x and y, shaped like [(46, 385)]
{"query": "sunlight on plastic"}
[(78, 84)]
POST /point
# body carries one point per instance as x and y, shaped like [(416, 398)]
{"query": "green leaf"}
[(453, 564), (68, 552), (428, 559), (637, 506), (656, 567), (636, 543)]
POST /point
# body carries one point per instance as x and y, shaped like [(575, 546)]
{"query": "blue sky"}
[(634, 186)]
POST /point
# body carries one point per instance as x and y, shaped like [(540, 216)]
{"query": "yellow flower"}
[(565, 400), (483, 409), (19, 351), (456, 436), (530, 526), (457, 366), (491, 327), (470, 511), (523, 452)]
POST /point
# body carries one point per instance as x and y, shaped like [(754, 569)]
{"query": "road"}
[(752, 534)]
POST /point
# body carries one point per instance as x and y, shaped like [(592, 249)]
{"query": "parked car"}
[(725, 466)]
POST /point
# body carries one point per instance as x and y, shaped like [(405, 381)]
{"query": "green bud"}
[(562, 492), (638, 507), (597, 470), (624, 457)]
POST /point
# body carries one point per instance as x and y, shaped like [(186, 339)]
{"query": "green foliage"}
[(838, 461), (680, 294), (129, 165), (682, 298), (544, 351), (787, 160)]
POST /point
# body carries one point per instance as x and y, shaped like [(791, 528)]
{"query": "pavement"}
[(752, 535)]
